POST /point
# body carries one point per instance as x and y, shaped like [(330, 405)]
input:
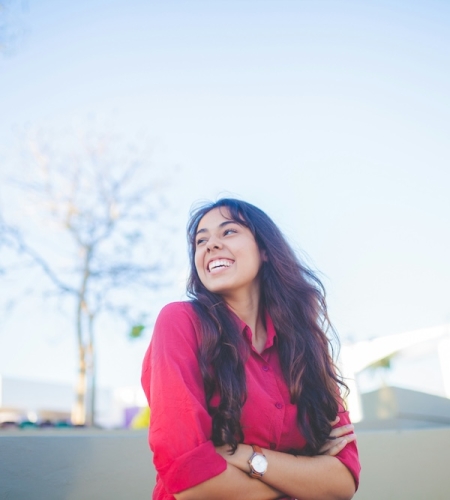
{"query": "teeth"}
[(219, 263)]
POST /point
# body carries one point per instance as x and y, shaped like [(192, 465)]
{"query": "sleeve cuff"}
[(192, 468), (352, 464)]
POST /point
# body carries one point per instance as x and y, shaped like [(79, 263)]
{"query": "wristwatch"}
[(258, 462)]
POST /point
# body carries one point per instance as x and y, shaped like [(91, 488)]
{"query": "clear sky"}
[(333, 117)]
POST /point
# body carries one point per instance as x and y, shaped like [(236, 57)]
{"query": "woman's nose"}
[(213, 243)]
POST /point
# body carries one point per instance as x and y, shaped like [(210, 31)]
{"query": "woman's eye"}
[(229, 231), (200, 241)]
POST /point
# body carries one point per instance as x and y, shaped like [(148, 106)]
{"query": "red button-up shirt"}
[(181, 428)]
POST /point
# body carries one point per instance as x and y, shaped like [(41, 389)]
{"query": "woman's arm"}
[(232, 483), (321, 477)]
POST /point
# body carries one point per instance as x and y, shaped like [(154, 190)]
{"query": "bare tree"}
[(98, 202)]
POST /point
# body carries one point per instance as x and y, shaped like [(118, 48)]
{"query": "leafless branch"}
[(102, 208)]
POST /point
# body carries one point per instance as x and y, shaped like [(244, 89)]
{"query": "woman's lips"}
[(217, 265)]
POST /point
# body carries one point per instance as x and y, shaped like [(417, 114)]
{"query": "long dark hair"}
[(295, 300)]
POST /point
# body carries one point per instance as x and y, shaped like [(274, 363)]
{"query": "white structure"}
[(360, 355), (32, 400)]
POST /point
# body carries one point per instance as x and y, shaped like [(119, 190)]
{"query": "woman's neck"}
[(248, 310)]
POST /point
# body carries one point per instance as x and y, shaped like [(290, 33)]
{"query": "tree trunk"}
[(91, 375), (79, 409)]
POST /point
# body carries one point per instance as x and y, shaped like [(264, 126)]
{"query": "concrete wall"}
[(116, 465), (405, 465), (75, 465)]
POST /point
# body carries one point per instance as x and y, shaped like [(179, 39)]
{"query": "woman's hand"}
[(338, 439), (239, 458)]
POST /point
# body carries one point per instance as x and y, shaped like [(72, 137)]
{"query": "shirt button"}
[(278, 405), (265, 368), (273, 446)]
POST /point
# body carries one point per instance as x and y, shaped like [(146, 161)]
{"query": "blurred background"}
[(117, 117)]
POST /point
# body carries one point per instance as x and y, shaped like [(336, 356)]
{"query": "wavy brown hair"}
[(295, 299)]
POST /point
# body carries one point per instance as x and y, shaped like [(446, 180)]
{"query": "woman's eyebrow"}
[(224, 223)]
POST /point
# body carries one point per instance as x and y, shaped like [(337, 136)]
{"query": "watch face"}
[(259, 464)]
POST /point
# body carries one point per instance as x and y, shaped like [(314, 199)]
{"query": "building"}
[(40, 402)]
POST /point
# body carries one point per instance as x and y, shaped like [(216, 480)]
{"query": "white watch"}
[(258, 462)]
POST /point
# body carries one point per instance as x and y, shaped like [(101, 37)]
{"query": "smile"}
[(219, 264)]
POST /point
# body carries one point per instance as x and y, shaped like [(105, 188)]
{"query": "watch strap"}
[(257, 449)]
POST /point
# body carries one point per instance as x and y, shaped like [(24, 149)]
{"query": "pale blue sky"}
[(334, 117)]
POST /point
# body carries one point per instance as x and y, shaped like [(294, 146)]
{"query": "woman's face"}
[(227, 257)]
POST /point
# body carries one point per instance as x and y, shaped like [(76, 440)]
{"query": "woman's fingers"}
[(334, 450), (339, 437), (341, 431), (335, 421)]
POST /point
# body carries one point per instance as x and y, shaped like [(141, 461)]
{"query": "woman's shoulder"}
[(175, 310), (176, 318), (175, 337)]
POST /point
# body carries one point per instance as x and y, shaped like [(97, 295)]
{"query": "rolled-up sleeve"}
[(349, 454), (180, 428)]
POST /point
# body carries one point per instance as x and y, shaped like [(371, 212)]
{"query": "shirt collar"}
[(271, 333)]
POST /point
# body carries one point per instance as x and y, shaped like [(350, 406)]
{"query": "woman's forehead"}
[(214, 218)]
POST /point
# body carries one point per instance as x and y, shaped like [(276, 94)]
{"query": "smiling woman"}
[(240, 380), (227, 258)]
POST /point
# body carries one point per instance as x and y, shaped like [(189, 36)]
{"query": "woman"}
[(243, 391)]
